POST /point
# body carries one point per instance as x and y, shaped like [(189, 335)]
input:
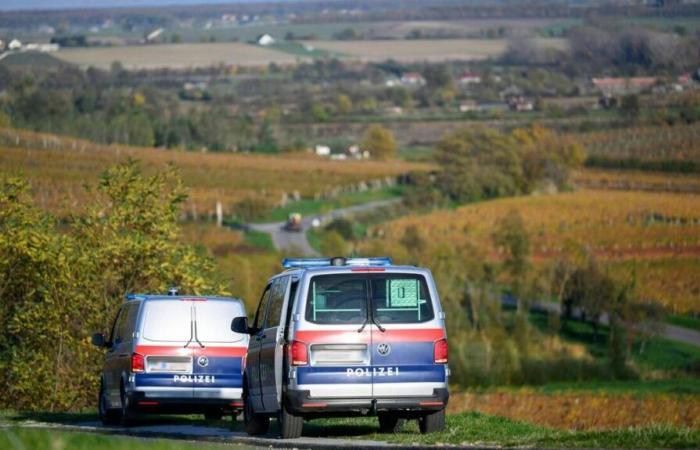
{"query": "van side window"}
[(260, 313), (113, 336), (274, 308), (127, 319)]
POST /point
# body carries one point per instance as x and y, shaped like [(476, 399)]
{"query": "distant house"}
[(412, 79), (520, 104), (470, 78), (155, 34), (265, 40), (613, 86), (15, 44), (322, 150), (468, 106), (44, 48)]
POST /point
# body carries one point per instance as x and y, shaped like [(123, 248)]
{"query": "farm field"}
[(423, 49), (664, 143), (657, 234), (636, 180), (58, 167), (178, 56)]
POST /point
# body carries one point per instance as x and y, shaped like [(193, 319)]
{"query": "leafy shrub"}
[(61, 282)]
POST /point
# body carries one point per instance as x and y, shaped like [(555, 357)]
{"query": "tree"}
[(333, 244), (629, 107), (59, 283), (344, 104), (380, 142)]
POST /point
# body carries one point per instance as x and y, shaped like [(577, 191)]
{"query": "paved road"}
[(670, 332), (202, 433), (296, 240)]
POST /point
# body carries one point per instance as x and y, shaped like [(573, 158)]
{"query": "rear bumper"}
[(184, 401), (299, 402)]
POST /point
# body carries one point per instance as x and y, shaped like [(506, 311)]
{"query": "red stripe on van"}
[(167, 350), (342, 336)]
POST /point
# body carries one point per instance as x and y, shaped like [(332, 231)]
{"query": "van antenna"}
[(173, 291)]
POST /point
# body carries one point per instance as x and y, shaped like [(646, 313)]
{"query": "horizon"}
[(58, 5)]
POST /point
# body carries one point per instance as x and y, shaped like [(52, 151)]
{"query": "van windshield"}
[(167, 321), (214, 321), (342, 299)]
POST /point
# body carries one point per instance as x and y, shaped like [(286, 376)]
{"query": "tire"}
[(290, 425), (433, 422), (389, 423), (255, 424), (108, 416), (214, 414), (127, 416)]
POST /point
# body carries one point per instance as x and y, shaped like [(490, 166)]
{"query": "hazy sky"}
[(65, 4)]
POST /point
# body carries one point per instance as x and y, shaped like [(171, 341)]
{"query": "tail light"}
[(440, 351), (298, 354), (138, 363)]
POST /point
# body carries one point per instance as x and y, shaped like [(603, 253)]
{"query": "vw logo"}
[(383, 349), (203, 361)]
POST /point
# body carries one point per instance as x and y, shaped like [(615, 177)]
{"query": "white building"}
[(153, 35), (322, 150), (15, 44), (265, 40)]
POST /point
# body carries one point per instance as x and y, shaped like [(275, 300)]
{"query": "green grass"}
[(484, 430), (308, 207), (16, 438), (259, 239), (314, 236), (685, 321)]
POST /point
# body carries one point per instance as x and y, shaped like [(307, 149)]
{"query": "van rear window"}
[(214, 321), (343, 299), (167, 321)]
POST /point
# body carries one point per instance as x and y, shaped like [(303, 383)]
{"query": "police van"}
[(172, 354), (344, 337)]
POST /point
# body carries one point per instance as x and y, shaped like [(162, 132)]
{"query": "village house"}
[(265, 40), (15, 44), (470, 78), (412, 79), (620, 86)]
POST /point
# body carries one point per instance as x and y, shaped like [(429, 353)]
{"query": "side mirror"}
[(98, 340), (240, 325)]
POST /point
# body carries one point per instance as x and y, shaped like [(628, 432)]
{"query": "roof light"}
[(305, 263)]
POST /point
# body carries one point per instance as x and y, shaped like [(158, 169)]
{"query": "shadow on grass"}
[(143, 420)]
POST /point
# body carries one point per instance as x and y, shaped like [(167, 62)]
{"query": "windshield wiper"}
[(364, 324), (379, 325)]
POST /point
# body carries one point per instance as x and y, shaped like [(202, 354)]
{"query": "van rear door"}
[(337, 336), (218, 352), (404, 334), (165, 342)]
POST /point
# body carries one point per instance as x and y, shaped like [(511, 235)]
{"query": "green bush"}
[(59, 283)]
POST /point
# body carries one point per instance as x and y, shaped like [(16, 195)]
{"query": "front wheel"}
[(433, 422), (389, 423), (107, 416), (290, 425)]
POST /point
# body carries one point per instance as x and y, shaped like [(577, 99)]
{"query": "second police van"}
[(172, 354), (344, 337)]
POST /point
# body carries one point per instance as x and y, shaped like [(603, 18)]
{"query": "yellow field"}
[(176, 55), (633, 180), (58, 167), (657, 232), (423, 49)]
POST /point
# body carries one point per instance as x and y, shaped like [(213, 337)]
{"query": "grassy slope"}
[(38, 439)]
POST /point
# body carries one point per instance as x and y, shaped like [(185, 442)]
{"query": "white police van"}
[(172, 354), (344, 337)]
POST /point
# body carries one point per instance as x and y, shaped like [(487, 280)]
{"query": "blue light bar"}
[(305, 263)]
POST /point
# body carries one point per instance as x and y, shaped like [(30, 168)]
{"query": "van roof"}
[(201, 298)]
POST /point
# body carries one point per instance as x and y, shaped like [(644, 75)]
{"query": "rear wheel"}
[(107, 416), (128, 415), (389, 423), (430, 423), (255, 424), (290, 425)]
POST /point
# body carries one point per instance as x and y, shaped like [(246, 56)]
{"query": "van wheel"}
[(430, 423), (128, 416), (107, 416), (389, 423), (255, 424), (290, 425)]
